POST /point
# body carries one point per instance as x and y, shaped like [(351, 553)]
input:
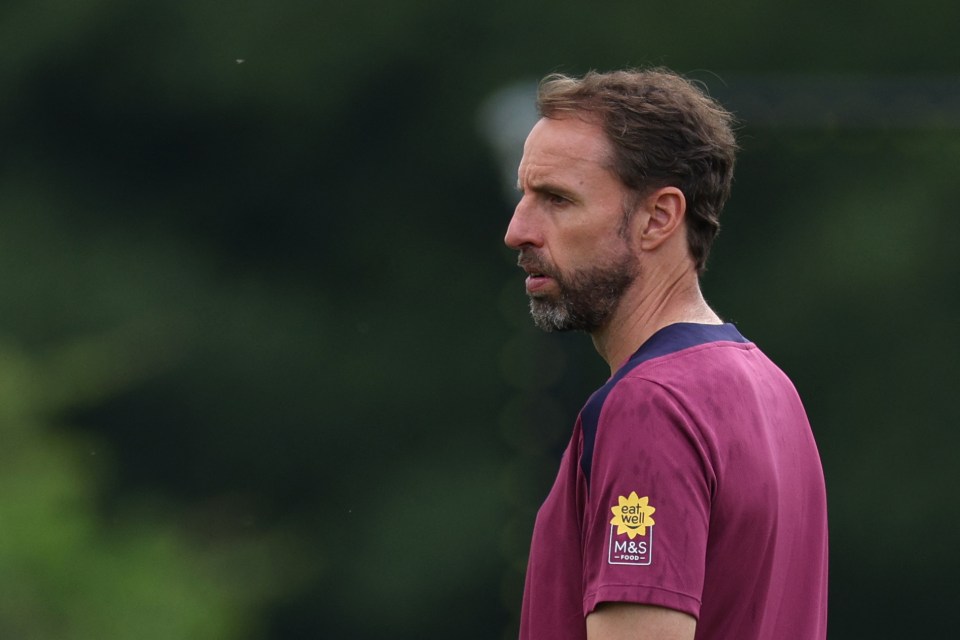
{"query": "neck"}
[(659, 297)]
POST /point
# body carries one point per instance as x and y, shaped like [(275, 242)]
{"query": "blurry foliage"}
[(66, 571), (266, 371)]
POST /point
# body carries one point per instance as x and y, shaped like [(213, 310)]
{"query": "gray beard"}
[(587, 298)]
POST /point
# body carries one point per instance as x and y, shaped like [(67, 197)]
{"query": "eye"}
[(557, 200)]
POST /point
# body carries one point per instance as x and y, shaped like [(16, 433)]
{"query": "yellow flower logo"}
[(632, 515)]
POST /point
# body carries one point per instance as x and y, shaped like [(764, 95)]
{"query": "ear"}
[(666, 207)]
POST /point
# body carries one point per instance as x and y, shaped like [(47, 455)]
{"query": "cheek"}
[(586, 249), (582, 239)]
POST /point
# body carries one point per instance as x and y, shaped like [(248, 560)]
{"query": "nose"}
[(522, 231)]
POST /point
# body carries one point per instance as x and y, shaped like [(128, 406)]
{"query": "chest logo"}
[(631, 531)]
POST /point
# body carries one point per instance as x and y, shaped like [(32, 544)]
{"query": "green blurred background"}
[(265, 365)]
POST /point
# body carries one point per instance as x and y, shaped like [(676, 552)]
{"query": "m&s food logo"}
[(631, 531)]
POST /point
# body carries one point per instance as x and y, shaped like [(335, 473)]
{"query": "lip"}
[(537, 283)]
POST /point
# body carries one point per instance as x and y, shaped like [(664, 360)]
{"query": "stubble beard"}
[(587, 298)]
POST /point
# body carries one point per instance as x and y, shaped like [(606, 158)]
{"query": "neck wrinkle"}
[(646, 308)]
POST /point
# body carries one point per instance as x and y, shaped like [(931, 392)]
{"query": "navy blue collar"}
[(680, 336)]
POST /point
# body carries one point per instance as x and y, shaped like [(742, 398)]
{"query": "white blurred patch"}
[(505, 119)]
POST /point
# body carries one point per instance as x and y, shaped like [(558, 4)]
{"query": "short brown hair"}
[(665, 131)]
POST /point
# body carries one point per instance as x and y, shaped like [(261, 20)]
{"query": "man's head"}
[(607, 146), (664, 130)]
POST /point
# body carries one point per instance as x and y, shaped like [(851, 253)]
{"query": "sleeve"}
[(647, 512)]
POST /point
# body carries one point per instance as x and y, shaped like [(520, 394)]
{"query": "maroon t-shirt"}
[(692, 481)]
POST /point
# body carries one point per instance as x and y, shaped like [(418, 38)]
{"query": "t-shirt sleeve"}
[(648, 506)]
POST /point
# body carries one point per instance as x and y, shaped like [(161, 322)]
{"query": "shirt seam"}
[(593, 594)]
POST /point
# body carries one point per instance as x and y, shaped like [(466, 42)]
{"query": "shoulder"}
[(632, 414), (648, 405), (675, 380)]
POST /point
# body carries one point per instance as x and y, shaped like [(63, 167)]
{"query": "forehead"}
[(568, 137), (569, 144)]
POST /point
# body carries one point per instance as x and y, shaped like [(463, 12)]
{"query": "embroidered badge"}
[(631, 531)]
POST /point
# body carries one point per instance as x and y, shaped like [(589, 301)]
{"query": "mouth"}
[(537, 277), (535, 283), (536, 280)]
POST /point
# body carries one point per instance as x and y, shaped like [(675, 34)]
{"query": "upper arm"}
[(629, 621), (647, 511)]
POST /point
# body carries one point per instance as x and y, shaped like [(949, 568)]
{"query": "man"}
[(690, 500)]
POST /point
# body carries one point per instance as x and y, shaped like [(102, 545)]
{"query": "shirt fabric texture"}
[(692, 481)]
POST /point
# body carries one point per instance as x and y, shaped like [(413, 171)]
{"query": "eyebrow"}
[(548, 187)]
